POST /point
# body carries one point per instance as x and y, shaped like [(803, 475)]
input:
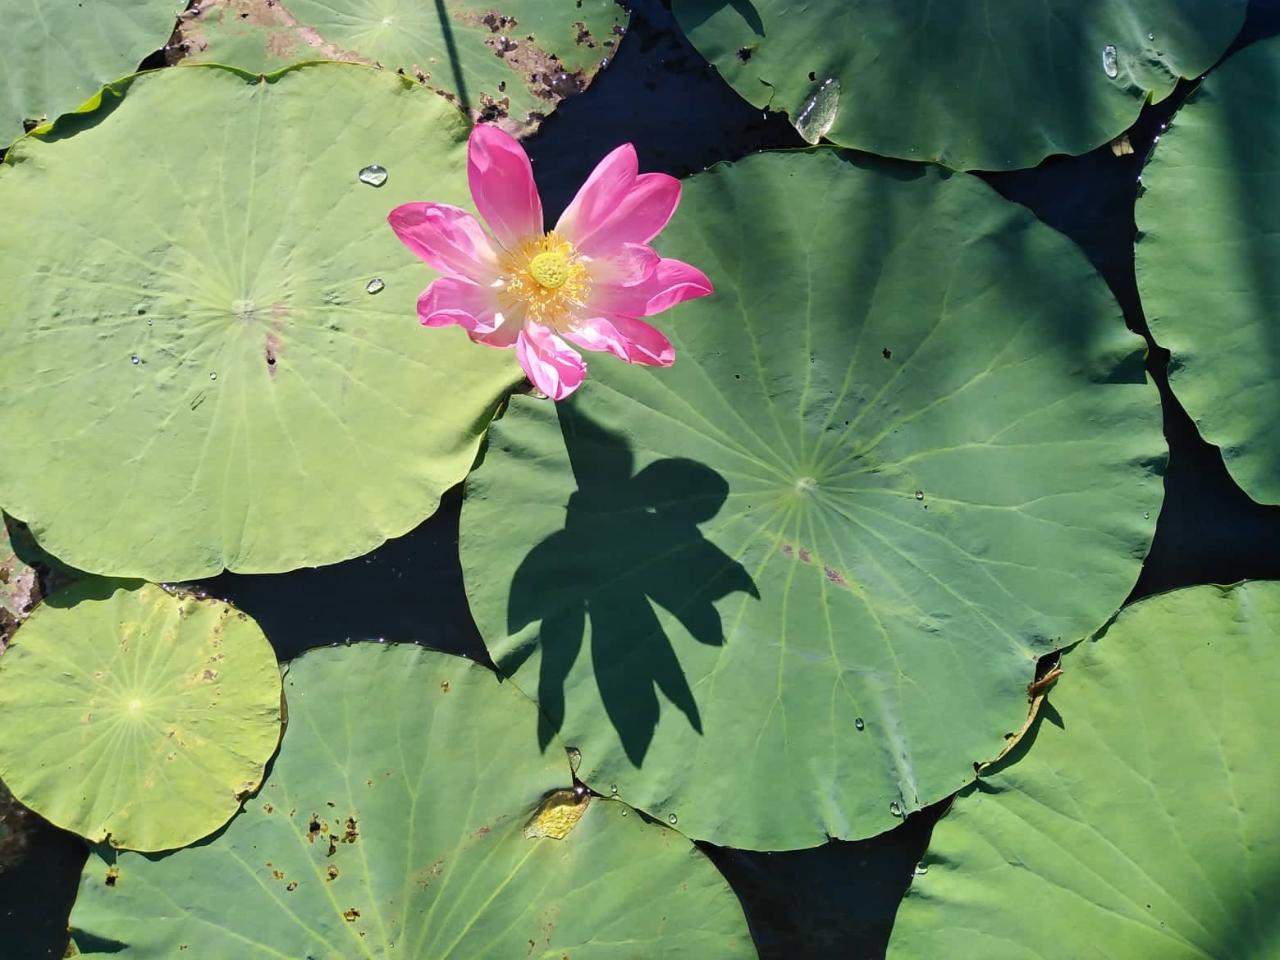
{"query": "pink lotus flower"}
[(586, 282)]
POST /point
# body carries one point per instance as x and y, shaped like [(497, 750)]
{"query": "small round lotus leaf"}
[(1208, 261), (55, 54), (1139, 820), (136, 716), (508, 62), (195, 376), (792, 587), (409, 815), (966, 84)]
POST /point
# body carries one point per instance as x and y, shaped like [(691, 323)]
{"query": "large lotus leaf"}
[(396, 823), (55, 54), (966, 84), (1208, 261), (195, 376), (505, 60), (136, 716), (794, 586), (1140, 823)]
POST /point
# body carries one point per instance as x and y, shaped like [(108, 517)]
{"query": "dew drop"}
[(375, 286), (819, 111), (921, 868), (858, 724), (1151, 36), (1146, 514), (575, 758), (895, 808), (375, 175), (213, 374), (614, 789), (135, 360), (1110, 61), (919, 494), (624, 811), (671, 819)]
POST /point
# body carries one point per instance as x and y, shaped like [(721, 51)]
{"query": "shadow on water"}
[(836, 900), (659, 94), (408, 590), (630, 545), (39, 876)]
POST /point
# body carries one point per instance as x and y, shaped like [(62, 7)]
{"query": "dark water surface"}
[(836, 901)]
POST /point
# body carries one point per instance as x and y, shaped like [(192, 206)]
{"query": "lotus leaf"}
[(1140, 821), (399, 821), (138, 717), (505, 60), (968, 85), (1208, 262), (55, 54), (792, 587), (216, 360)]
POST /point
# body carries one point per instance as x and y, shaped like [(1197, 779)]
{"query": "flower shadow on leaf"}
[(630, 548)]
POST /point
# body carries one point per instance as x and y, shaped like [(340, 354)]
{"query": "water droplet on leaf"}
[(858, 724), (921, 868), (1110, 61), (375, 286), (135, 360), (614, 789), (819, 111), (919, 494), (375, 175), (213, 375), (671, 819), (895, 808)]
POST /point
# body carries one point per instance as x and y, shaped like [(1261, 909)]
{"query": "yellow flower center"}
[(546, 280), (550, 269)]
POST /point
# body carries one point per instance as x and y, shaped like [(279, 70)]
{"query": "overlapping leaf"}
[(970, 85), (1141, 820), (1208, 262), (396, 824), (55, 54), (511, 61)]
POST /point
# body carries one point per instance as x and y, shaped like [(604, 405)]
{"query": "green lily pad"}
[(794, 586), (196, 374), (145, 717), (967, 85), (509, 61), (1141, 821), (55, 54), (397, 822), (1208, 258)]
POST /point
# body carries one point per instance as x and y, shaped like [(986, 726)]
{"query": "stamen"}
[(545, 280)]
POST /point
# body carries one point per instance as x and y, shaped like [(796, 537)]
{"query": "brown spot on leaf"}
[(331, 872), (113, 874), (835, 576), (351, 834), (277, 874), (351, 915), (444, 686), (291, 886), (805, 555)]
